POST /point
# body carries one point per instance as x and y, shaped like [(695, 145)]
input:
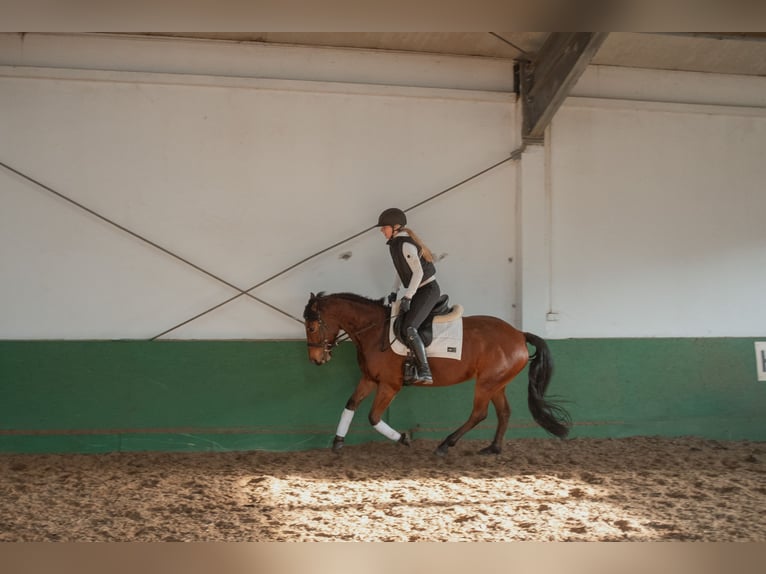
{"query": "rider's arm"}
[(397, 283), (412, 258)]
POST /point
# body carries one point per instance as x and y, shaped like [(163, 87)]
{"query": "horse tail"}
[(552, 417)]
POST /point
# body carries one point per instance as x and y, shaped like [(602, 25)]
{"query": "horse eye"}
[(312, 329)]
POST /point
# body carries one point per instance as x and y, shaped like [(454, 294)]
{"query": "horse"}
[(493, 353)]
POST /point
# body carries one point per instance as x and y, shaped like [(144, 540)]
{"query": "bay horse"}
[(493, 353)]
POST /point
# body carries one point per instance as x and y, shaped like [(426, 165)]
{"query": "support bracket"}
[(545, 82)]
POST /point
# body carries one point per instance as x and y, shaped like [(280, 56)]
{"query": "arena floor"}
[(630, 489)]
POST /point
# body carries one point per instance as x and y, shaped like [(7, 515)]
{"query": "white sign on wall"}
[(760, 359)]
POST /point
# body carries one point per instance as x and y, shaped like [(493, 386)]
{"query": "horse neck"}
[(356, 318)]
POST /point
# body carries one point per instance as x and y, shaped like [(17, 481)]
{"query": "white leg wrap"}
[(387, 431), (345, 422)]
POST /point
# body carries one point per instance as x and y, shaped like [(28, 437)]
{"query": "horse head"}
[(321, 332)]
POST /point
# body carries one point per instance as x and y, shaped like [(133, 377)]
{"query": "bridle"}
[(326, 344)]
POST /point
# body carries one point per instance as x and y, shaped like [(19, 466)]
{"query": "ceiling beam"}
[(546, 81)]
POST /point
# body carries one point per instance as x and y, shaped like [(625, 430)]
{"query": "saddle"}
[(425, 330)]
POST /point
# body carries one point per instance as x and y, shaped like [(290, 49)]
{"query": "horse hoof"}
[(491, 449), (337, 445), (405, 439), (441, 450)]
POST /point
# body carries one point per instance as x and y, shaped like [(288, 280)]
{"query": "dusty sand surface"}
[(631, 489)]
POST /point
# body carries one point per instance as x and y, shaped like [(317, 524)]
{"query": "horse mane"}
[(310, 313)]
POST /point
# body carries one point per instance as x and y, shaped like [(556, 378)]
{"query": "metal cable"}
[(347, 239), (149, 242), (516, 154), (522, 50)]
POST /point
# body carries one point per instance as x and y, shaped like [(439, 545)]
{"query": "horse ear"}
[(312, 296)]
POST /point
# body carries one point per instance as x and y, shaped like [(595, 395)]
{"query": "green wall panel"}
[(101, 396)]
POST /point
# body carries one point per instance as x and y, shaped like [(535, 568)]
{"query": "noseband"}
[(325, 344)]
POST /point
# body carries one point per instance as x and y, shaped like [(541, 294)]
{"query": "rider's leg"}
[(422, 304), (419, 350)]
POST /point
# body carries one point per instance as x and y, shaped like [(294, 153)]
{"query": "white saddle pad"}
[(447, 341)]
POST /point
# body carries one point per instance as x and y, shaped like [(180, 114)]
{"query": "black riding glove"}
[(391, 297), (404, 306)]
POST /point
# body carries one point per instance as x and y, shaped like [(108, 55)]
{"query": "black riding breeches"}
[(422, 303)]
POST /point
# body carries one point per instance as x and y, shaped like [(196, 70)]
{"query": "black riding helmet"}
[(392, 216)]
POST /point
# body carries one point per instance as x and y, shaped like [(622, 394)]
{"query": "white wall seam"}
[(264, 84), (674, 107)]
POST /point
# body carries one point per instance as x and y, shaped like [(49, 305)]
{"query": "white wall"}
[(647, 217), (658, 221), (640, 217), (242, 177)]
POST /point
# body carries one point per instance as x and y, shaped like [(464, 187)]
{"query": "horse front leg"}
[(362, 390), (382, 401)]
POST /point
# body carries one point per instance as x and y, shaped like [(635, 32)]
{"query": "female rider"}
[(416, 273)]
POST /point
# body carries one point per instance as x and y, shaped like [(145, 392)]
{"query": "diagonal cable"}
[(514, 46), (149, 242), (516, 154)]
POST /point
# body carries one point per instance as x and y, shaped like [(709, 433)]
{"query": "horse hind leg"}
[(478, 414), (503, 411)]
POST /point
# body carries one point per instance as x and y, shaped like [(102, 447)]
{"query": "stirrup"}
[(410, 373), (419, 357), (425, 379)]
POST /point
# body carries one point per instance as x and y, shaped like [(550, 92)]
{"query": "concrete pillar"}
[(534, 228)]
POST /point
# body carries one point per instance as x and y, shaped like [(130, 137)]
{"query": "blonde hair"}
[(425, 252)]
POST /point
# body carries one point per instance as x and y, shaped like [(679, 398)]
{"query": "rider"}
[(416, 273)]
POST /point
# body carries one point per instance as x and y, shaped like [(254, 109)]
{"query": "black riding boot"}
[(419, 350)]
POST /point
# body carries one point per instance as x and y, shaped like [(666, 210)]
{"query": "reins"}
[(343, 335), (385, 341)]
